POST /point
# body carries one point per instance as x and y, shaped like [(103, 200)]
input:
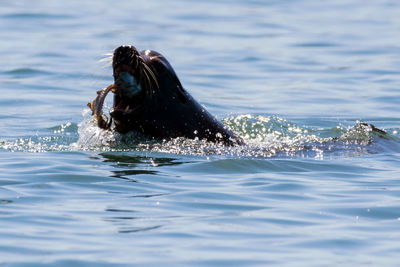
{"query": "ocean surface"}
[(313, 186)]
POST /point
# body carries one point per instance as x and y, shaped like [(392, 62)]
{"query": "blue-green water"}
[(311, 187)]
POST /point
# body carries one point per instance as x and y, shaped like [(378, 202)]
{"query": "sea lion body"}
[(151, 100)]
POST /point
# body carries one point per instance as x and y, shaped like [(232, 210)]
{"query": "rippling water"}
[(312, 186)]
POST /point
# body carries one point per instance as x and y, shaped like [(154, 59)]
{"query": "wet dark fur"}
[(164, 109)]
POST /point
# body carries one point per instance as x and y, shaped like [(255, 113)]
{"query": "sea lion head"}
[(134, 82)]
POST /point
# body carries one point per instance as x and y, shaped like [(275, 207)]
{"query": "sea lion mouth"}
[(126, 74), (127, 93), (126, 71), (134, 80), (127, 84), (134, 83)]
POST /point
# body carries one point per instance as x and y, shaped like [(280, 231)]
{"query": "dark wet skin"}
[(149, 98)]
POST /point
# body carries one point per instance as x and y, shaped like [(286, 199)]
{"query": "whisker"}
[(147, 78), (105, 59), (151, 73), (137, 59), (108, 64)]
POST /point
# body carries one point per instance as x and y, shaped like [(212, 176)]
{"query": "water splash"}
[(57, 138), (91, 137), (265, 136)]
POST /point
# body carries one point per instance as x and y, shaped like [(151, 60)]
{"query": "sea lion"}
[(150, 99)]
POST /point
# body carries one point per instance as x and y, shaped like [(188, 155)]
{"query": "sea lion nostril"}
[(122, 55)]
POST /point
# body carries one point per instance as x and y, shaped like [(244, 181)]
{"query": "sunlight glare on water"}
[(296, 80)]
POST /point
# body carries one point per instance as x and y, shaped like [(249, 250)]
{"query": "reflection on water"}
[(135, 164), (127, 223), (124, 160)]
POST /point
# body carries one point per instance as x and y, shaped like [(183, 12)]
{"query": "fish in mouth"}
[(149, 98)]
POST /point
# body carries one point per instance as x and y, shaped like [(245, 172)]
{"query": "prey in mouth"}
[(150, 99), (133, 81)]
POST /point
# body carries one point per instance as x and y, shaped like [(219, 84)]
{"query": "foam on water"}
[(265, 136)]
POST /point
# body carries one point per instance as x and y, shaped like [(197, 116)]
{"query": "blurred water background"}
[(294, 78)]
